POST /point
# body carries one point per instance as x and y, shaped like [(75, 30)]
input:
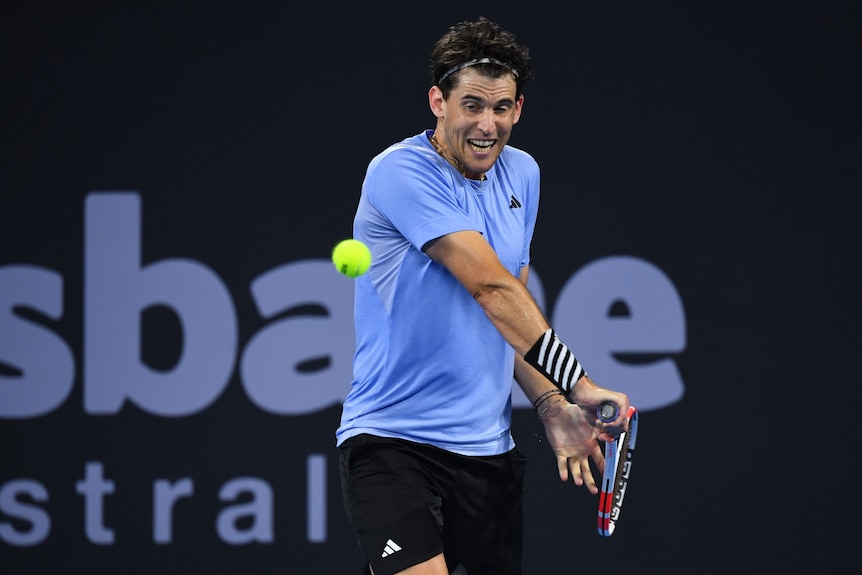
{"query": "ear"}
[(436, 101), (519, 105)]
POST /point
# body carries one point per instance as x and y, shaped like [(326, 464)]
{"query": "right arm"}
[(513, 311), (505, 300)]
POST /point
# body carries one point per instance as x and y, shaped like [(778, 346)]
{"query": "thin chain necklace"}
[(446, 156), (452, 160)]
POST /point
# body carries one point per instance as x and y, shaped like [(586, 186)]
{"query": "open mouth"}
[(481, 145)]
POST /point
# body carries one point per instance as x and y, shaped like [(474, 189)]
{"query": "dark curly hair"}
[(478, 39)]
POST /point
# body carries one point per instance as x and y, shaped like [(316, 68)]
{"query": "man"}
[(431, 476)]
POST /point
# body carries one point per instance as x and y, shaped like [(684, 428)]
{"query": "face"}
[(476, 121)]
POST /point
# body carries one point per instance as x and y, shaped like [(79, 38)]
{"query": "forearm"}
[(514, 313), (537, 385), (532, 382), (503, 297), (507, 302), (540, 353)]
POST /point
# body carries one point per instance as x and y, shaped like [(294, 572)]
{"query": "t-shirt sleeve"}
[(417, 196), (532, 208)]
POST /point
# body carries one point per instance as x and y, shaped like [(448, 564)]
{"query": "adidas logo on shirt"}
[(515, 203), (391, 547)]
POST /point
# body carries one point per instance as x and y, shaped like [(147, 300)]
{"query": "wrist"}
[(583, 382), (552, 407), (546, 397), (554, 360)]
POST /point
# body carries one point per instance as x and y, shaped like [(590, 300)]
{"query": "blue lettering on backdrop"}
[(612, 308), (118, 288), (41, 366)]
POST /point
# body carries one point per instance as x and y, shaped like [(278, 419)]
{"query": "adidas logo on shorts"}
[(391, 547)]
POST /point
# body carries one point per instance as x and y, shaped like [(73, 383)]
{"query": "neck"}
[(451, 159)]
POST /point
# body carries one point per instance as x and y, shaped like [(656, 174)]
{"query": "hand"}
[(574, 440), (589, 396)]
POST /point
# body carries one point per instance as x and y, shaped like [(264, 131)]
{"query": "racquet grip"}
[(607, 411)]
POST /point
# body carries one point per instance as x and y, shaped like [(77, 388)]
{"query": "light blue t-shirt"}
[(430, 366)]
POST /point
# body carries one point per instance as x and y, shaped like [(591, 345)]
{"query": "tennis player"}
[(432, 478)]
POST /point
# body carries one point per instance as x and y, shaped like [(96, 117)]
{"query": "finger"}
[(604, 436), (563, 467), (607, 431), (587, 474), (621, 423), (575, 468), (599, 458)]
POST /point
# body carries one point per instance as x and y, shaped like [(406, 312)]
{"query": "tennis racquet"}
[(618, 467)]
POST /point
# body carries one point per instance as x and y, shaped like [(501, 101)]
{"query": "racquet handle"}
[(607, 411)]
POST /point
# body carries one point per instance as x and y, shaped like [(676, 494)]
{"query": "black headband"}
[(473, 62)]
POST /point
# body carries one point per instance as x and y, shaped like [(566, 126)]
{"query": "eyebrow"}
[(471, 98)]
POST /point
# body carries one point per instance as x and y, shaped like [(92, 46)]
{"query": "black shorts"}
[(408, 502)]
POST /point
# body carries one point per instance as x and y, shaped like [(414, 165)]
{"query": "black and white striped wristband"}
[(551, 356)]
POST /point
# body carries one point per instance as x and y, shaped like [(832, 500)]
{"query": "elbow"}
[(489, 295)]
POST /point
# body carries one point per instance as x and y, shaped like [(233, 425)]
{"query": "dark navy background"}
[(720, 143)]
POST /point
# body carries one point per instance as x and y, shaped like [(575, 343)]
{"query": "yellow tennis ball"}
[(351, 257)]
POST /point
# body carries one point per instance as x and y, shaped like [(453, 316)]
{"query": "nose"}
[(486, 122)]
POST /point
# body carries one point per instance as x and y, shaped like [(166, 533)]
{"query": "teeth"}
[(481, 144)]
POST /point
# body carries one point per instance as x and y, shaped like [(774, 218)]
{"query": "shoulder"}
[(519, 159), (411, 153), (408, 174), (410, 168), (518, 168)]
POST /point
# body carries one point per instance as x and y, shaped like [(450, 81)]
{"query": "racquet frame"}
[(615, 479)]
